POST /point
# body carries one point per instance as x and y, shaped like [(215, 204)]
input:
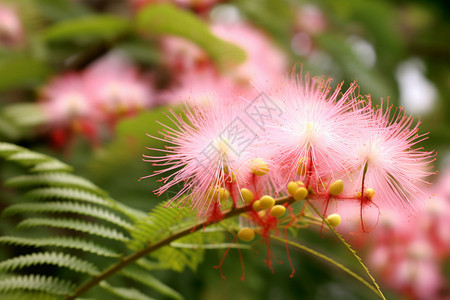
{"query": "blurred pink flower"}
[(407, 253), (83, 102), (266, 65), (66, 98), (69, 109), (182, 55), (11, 29), (116, 87), (310, 19), (203, 87), (405, 259)]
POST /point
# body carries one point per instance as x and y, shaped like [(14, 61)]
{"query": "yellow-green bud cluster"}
[(297, 190)]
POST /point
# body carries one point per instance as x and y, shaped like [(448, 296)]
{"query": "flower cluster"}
[(82, 101), (300, 140)]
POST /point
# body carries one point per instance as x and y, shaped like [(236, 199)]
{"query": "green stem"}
[(326, 258), (353, 252), (164, 242)]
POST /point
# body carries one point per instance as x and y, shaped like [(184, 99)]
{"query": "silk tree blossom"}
[(316, 135), (208, 155), (392, 169), (330, 146)]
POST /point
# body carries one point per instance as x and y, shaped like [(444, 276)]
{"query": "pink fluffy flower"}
[(207, 154), (11, 29), (390, 163), (315, 136)]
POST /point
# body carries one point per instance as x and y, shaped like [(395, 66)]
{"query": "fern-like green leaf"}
[(28, 158), (144, 277), (150, 265), (178, 258), (6, 149), (160, 222), (124, 293), (67, 207), (27, 295), (65, 242), (49, 258), (78, 225), (210, 246), (46, 284), (51, 166), (53, 179), (67, 194)]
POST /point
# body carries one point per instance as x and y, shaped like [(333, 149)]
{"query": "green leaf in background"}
[(130, 143), (141, 51), (101, 26), (166, 19), (21, 71), (60, 9), (275, 16), (369, 79)]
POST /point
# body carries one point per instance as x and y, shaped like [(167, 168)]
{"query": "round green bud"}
[(247, 195), (334, 220), (246, 234), (224, 194), (292, 187), (266, 202), (369, 193), (336, 187), (256, 205), (277, 211), (300, 193)]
